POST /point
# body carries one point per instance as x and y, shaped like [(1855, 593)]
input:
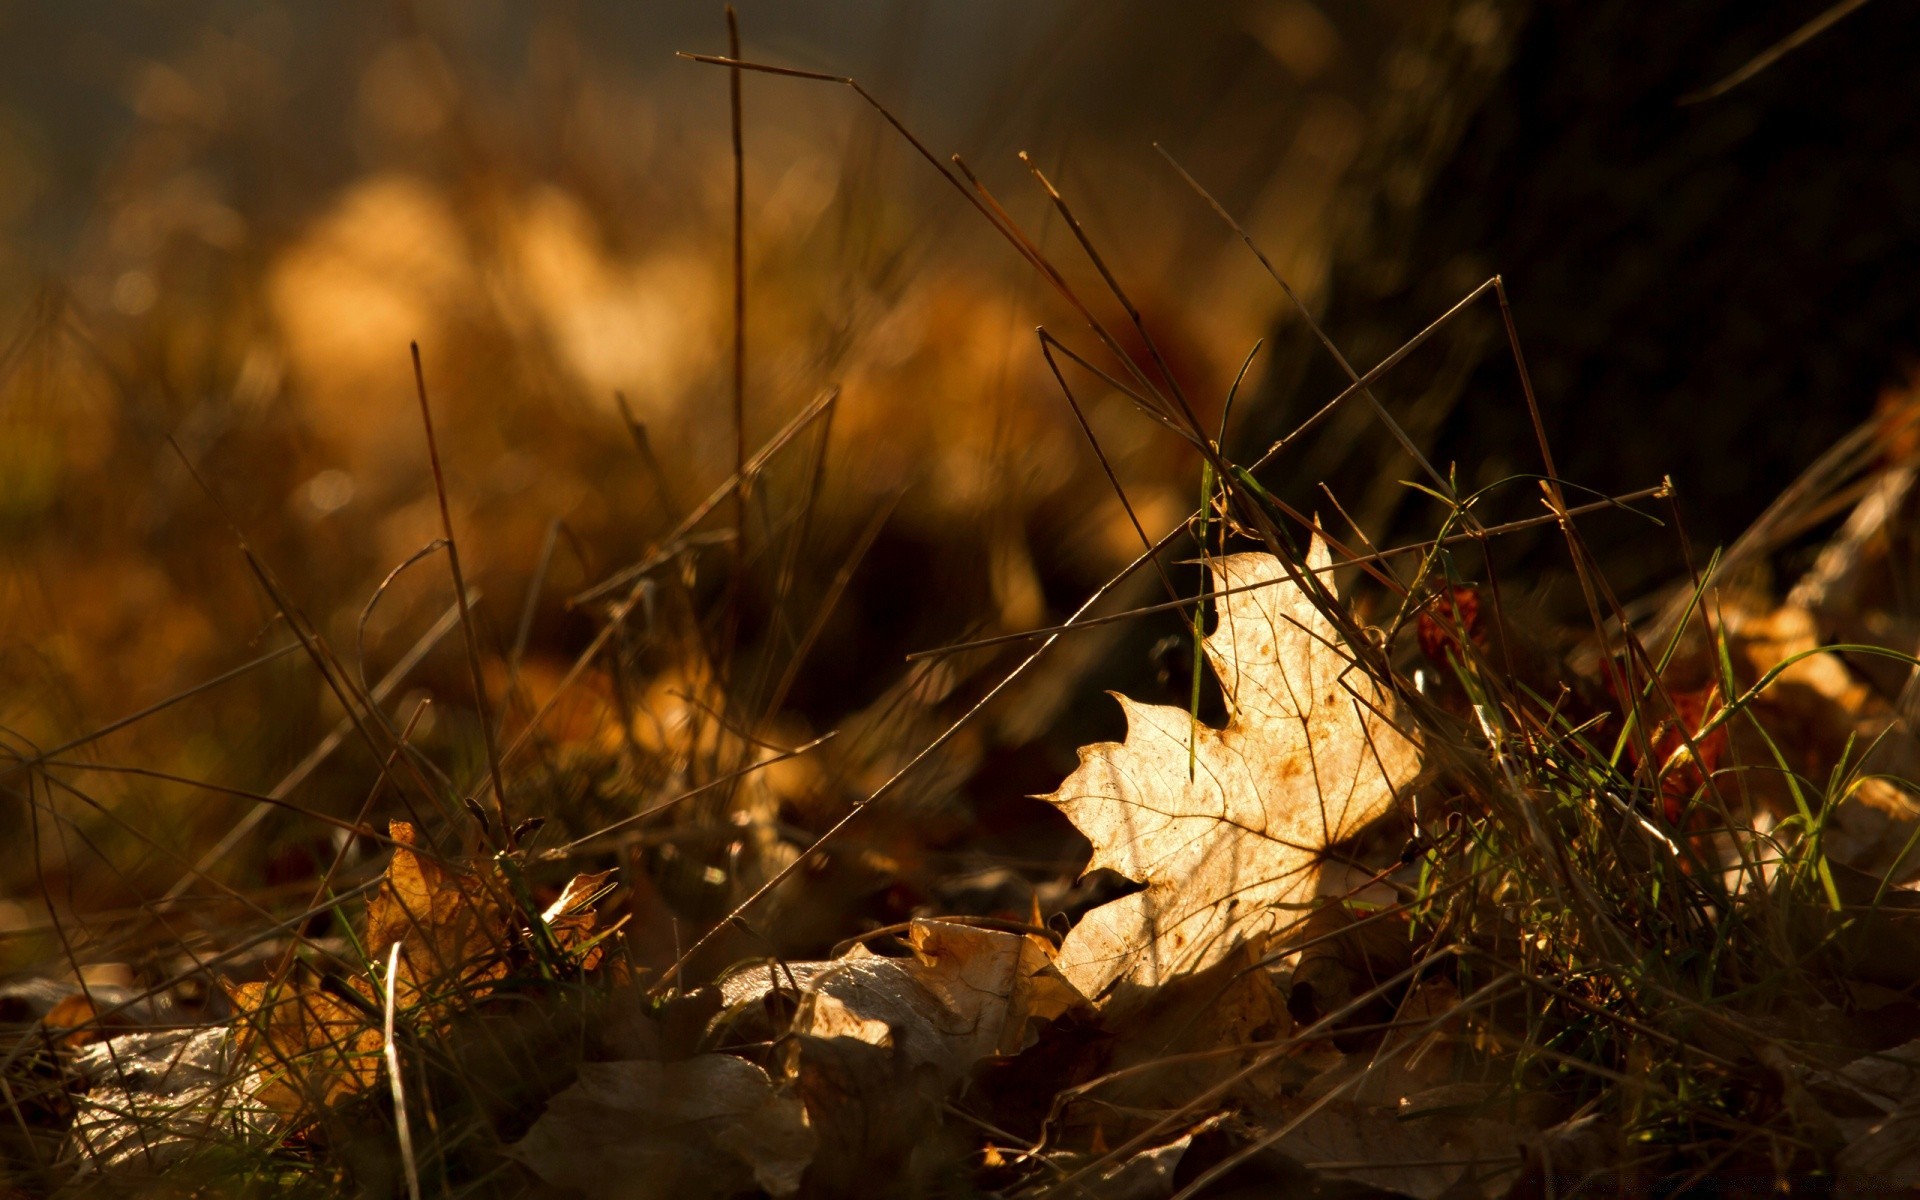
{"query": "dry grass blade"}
[(504, 835)]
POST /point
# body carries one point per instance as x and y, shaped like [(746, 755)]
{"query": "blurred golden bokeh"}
[(220, 259)]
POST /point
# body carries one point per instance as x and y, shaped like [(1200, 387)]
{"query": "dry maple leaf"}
[(457, 931), (452, 926), (966, 994), (310, 1048), (1310, 756), (456, 925)]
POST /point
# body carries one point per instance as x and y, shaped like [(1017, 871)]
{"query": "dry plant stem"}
[(27, 763), (392, 1050), (1141, 401), (828, 603), (1146, 1137), (523, 632), (106, 812), (802, 536), (635, 576), (1113, 285), (739, 281), (1380, 410), (366, 717), (1106, 467), (643, 445), (1009, 229), (721, 656), (1380, 369), (505, 839), (668, 546), (762, 705), (373, 602), (1557, 502), (1774, 53), (727, 780), (209, 786), (1183, 423)]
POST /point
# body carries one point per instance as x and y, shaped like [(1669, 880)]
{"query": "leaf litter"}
[(1275, 993)]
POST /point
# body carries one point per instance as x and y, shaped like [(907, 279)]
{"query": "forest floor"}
[(1382, 871)]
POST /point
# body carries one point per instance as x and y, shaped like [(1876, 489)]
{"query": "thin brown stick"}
[(366, 717), (1306, 314), (723, 661), (505, 838), (1093, 442), (730, 778), (668, 546), (1774, 53), (739, 279), (1113, 285), (111, 727), (320, 753)]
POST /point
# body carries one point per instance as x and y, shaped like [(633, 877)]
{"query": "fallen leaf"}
[(310, 1048), (1310, 756), (711, 1125), (1882, 1155), (154, 1098), (875, 1044), (83, 1018), (965, 995), (451, 925), (457, 930)]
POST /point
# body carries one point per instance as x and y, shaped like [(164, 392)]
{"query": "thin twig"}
[(505, 837)]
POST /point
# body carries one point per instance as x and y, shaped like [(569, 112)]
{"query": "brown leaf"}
[(310, 1047), (965, 995), (1815, 710), (450, 924), (1194, 1033), (455, 929), (1882, 1122), (1310, 756), (707, 1126)]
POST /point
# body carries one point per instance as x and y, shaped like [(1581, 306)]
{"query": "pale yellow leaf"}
[(1312, 753)]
